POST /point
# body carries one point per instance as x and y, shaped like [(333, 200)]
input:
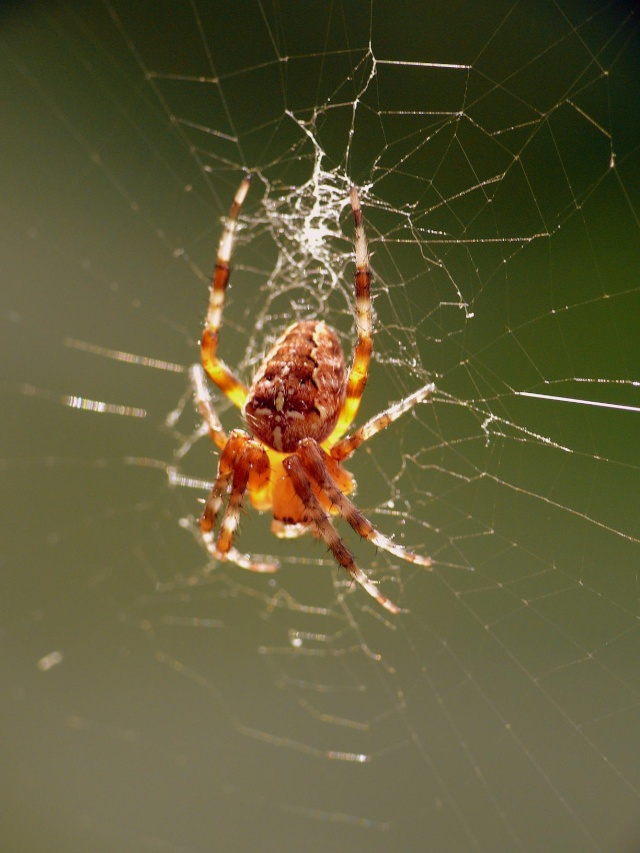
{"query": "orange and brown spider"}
[(299, 405)]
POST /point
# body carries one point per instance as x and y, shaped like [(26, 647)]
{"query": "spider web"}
[(156, 702)]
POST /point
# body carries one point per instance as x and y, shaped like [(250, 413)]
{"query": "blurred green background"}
[(147, 705)]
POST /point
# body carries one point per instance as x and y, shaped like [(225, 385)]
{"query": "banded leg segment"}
[(216, 369), (252, 463), (314, 461), (362, 355), (226, 466), (243, 464), (343, 449), (204, 407), (320, 518)]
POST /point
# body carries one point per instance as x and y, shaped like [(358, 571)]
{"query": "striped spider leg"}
[(297, 409)]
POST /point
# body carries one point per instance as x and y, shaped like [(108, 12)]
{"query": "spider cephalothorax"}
[(300, 404)]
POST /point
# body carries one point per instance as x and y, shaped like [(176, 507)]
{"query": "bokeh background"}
[(152, 702)]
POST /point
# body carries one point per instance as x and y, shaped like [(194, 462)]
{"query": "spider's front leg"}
[(316, 462), (243, 464), (343, 449), (303, 488)]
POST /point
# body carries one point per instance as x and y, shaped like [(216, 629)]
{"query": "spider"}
[(299, 406)]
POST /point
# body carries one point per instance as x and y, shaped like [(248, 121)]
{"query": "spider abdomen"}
[(300, 388)]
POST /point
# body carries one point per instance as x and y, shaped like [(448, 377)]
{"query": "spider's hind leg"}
[(243, 463), (244, 561)]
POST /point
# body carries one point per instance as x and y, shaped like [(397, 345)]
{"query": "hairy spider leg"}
[(216, 369), (362, 356), (204, 407), (320, 518), (250, 467), (226, 465), (314, 461), (243, 463), (244, 561), (343, 449)]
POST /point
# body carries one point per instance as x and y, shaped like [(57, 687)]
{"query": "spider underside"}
[(299, 406)]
